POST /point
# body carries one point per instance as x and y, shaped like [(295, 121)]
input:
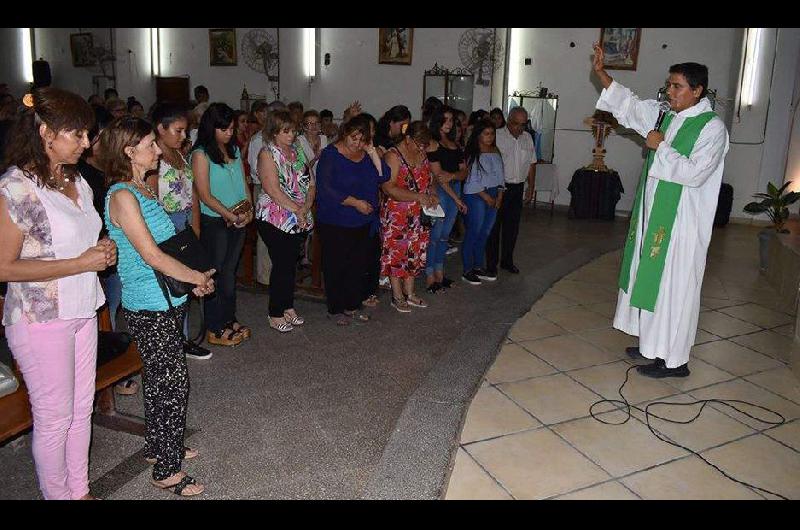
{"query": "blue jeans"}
[(479, 222), (182, 220), (112, 288), (440, 232)]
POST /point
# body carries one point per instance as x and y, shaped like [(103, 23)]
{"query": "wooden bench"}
[(15, 409)]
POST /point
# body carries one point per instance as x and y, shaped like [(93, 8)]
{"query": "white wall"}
[(354, 72), (11, 65), (53, 45), (793, 158)]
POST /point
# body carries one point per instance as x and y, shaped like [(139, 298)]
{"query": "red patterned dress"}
[(405, 240)]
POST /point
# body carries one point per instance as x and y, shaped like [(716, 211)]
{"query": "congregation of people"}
[(91, 188)]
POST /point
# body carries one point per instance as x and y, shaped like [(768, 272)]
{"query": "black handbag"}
[(186, 248)]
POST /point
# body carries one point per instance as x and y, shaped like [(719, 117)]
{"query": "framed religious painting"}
[(395, 45), (621, 47), (222, 46), (81, 45)]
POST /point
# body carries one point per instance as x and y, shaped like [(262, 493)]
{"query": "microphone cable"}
[(624, 404)]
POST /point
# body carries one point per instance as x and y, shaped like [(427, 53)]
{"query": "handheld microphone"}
[(663, 107)]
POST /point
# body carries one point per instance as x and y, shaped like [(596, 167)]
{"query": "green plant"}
[(775, 203)]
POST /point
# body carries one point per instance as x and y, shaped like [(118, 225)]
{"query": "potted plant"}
[(775, 203)]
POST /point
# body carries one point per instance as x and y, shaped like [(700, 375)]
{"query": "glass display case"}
[(453, 87), (542, 108)]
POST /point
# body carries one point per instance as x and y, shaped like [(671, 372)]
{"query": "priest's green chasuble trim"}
[(658, 230)]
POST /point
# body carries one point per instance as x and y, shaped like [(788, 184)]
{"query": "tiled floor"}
[(529, 434)]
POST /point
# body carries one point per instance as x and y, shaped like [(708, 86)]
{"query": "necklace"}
[(142, 184)]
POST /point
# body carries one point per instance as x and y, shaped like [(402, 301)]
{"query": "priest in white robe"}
[(670, 229)]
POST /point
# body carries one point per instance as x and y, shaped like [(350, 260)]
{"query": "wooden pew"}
[(15, 409)]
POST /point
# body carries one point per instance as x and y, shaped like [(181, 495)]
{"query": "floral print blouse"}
[(175, 186), (294, 180), (53, 227)]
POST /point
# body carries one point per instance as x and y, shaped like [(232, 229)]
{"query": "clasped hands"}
[(204, 283), (101, 256)]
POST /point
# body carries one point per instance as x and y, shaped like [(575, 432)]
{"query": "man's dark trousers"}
[(506, 228)]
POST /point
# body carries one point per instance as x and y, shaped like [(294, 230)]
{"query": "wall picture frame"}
[(222, 47), (395, 45), (81, 44), (621, 47)]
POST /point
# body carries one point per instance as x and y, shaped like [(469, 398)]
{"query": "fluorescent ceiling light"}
[(513, 60), (309, 51), (155, 52), (27, 54), (751, 60)]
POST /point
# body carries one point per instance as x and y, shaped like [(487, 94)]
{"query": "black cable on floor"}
[(726, 402)]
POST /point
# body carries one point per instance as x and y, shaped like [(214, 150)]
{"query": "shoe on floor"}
[(446, 283), (451, 250), (634, 353), (489, 276), (510, 268), (193, 351), (434, 288), (471, 278), (658, 369)]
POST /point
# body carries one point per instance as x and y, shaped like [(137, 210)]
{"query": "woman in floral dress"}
[(405, 239)]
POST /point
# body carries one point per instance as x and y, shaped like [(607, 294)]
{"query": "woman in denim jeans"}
[(449, 169), (220, 184), (483, 194)]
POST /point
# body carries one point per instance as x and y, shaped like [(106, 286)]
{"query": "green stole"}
[(658, 230)]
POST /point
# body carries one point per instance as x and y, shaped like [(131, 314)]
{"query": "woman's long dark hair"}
[(436, 122), (216, 116), (473, 149), (394, 114), (167, 113), (60, 110)]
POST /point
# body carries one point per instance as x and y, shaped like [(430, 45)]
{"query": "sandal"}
[(188, 454), (357, 315), (127, 388), (219, 338), (238, 328), (372, 301), (179, 487), (291, 316), (280, 324), (401, 305), (340, 318), (415, 301)]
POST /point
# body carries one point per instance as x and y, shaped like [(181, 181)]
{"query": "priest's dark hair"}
[(696, 74), (217, 116)]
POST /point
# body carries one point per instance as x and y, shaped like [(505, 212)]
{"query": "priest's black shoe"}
[(510, 268), (634, 353), (658, 369)]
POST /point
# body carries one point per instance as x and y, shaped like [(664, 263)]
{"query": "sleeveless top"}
[(53, 227), (140, 289), (226, 182), (294, 180)]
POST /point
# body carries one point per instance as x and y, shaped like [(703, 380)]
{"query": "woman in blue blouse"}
[(220, 182), (349, 176), (483, 194)]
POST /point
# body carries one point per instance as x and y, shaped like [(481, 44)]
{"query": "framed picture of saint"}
[(395, 45), (81, 45), (621, 47), (222, 46)]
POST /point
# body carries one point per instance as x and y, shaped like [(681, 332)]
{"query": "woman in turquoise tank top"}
[(137, 222), (220, 183)]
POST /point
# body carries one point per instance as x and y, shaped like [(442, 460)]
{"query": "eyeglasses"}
[(517, 123)]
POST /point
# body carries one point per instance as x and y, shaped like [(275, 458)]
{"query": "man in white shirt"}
[(519, 164)]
